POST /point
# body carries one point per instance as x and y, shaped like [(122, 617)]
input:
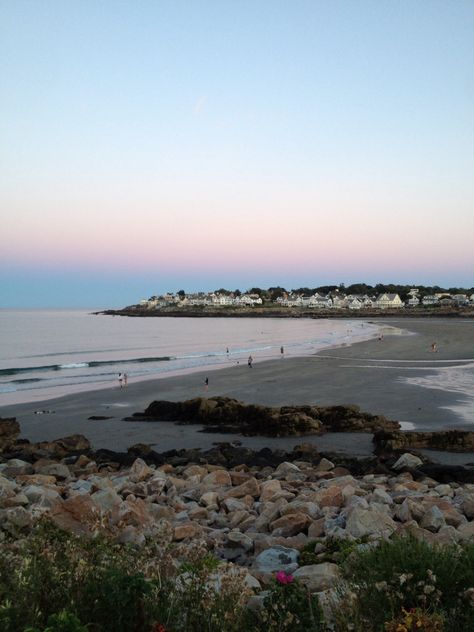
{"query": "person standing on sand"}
[(206, 384), (434, 347), (125, 380), (120, 379), (249, 362), (282, 352)]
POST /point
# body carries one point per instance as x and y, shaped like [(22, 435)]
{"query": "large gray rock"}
[(433, 520), (373, 521), (407, 460), (106, 499), (44, 497), (140, 471), (318, 577), (58, 470), (19, 517), (277, 558)]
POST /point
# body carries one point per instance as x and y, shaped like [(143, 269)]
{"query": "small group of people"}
[(123, 380)]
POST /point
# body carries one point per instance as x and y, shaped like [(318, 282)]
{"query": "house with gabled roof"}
[(320, 302), (388, 301)]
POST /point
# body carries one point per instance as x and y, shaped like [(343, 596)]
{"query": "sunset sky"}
[(157, 145)]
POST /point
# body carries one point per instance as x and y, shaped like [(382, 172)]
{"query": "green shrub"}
[(415, 620), (62, 622), (289, 606), (57, 582), (335, 550), (406, 573)]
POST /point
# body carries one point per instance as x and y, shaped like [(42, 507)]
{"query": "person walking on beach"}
[(120, 380), (282, 352), (206, 384), (249, 362), (125, 380)]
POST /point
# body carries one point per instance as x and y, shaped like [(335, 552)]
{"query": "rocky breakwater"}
[(450, 440), (294, 517), (224, 414)]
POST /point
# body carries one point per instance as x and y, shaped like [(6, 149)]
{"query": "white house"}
[(430, 299), (460, 299), (363, 299), (320, 302), (388, 301), (339, 301), (354, 303)]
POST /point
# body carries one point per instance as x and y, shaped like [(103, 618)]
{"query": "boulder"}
[(318, 577), (140, 471), (407, 461), (44, 497), (433, 520), (106, 499), (19, 517), (277, 558), (372, 521), (290, 524), (466, 531), (250, 488), (78, 514), (186, 531), (218, 478), (238, 539), (268, 489), (58, 470)]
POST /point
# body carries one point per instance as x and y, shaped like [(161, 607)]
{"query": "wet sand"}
[(370, 374)]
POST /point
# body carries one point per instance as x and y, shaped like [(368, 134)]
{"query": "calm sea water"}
[(46, 354)]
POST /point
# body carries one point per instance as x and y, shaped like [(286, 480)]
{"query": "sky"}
[(156, 145)]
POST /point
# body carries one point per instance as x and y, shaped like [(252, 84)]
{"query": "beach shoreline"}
[(373, 374)]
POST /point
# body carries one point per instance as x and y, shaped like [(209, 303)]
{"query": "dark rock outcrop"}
[(9, 432), (451, 440), (224, 414)]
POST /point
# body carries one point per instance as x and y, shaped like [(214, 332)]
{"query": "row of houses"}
[(336, 300), (341, 301), (382, 301), (201, 299)]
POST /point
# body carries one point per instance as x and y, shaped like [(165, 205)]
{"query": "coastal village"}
[(334, 300)]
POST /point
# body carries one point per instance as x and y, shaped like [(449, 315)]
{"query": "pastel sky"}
[(158, 145)]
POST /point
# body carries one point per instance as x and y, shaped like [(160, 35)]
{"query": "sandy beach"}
[(399, 377)]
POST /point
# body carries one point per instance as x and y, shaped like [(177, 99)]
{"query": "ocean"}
[(50, 353)]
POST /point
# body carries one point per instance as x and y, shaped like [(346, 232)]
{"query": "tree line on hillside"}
[(272, 293)]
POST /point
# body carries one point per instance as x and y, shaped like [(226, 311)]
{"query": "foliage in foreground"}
[(407, 582), (55, 582)]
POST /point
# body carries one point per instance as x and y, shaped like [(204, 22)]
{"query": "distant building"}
[(388, 301), (430, 299)]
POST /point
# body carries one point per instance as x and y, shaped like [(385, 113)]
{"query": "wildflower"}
[(283, 578)]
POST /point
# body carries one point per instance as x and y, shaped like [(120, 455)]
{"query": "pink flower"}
[(283, 578)]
